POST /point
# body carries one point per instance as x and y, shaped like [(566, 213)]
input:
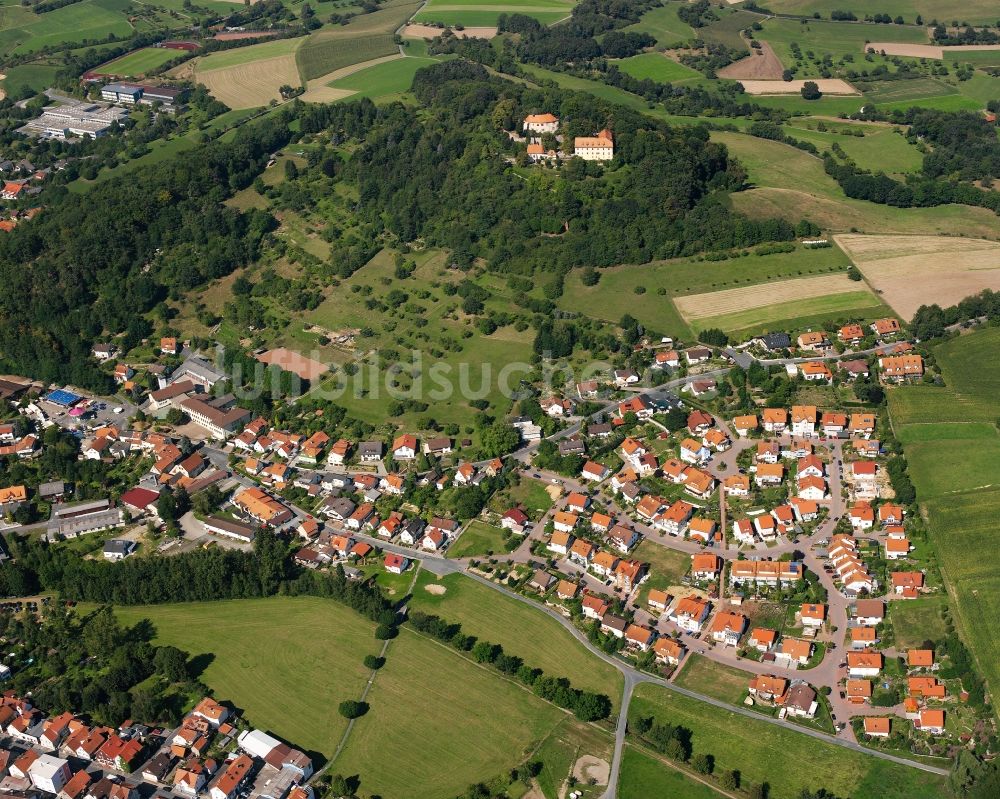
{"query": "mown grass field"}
[(918, 620), (958, 480), (791, 183), (89, 19), (881, 148), (263, 651), (139, 62), (383, 82), (429, 696), (643, 775), (239, 56), (788, 761), (522, 630), (658, 67), (705, 676), (478, 538), (37, 77)]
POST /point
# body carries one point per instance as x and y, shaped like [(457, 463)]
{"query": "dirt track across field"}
[(910, 271), (417, 31), (762, 64), (826, 85)]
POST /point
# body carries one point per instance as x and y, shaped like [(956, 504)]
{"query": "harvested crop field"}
[(826, 86), (731, 301), (417, 31), (762, 64), (926, 50), (907, 270), (252, 84), (291, 361)]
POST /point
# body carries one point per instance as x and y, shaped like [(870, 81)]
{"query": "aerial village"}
[(673, 533), (212, 753)]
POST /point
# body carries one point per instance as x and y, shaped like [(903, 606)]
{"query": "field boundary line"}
[(640, 747), (364, 692)]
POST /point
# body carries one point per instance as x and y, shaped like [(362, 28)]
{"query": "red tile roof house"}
[(395, 564), (210, 710), (727, 628), (515, 520), (640, 637), (236, 774)]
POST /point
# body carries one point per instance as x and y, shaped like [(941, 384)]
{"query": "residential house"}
[(814, 341), (594, 607), (901, 368), (762, 639), (690, 613), (813, 615), (639, 637), (869, 611), (815, 372), (594, 471), (775, 419), (745, 425), (768, 687), (668, 650), (404, 447), (515, 520), (800, 701), (886, 328), (851, 334), (864, 664), (603, 564), (930, 720), (727, 628), (623, 538), (795, 652), (540, 123), (395, 563), (595, 148), (705, 566), (804, 421), (567, 590), (696, 355), (560, 542)]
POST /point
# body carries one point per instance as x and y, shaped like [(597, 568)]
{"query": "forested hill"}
[(443, 172), (99, 261)]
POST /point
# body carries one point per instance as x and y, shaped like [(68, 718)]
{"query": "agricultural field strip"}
[(727, 301), (906, 270)]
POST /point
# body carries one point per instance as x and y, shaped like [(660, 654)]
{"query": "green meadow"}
[(786, 760), (953, 451)]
